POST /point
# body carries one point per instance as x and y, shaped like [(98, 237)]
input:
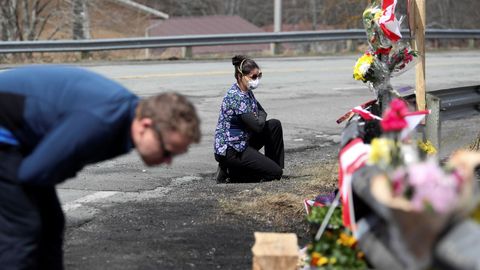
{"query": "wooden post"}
[(417, 25), (275, 251)]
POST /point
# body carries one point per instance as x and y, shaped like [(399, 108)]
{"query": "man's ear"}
[(145, 123)]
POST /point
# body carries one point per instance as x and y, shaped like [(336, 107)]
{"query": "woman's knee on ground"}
[(274, 123), (275, 173)]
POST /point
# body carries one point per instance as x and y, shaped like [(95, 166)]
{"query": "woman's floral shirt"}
[(230, 130)]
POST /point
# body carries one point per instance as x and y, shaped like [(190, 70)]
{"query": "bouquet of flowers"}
[(422, 196), (400, 58), (386, 56), (369, 69), (376, 39)]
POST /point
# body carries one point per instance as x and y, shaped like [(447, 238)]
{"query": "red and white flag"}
[(413, 119), (351, 113), (366, 115), (388, 22), (351, 158)]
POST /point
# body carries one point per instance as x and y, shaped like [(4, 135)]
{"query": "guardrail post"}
[(471, 43), (187, 52), (275, 49), (349, 45), (84, 55), (433, 124)]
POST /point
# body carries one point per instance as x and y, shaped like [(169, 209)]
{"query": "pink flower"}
[(432, 187), (393, 119)]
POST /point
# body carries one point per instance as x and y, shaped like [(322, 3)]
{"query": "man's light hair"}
[(171, 111)]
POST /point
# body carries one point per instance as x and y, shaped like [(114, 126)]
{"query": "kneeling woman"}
[(242, 130)]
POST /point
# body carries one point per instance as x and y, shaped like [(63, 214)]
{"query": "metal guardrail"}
[(211, 40), (449, 104), (458, 102)]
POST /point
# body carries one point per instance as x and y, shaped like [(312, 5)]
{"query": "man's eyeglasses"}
[(255, 76)]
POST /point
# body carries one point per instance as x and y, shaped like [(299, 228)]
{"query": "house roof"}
[(208, 25), (203, 25)]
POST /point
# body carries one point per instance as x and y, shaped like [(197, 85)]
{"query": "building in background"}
[(206, 25)]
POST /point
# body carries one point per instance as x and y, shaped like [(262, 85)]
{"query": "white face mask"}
[(252, 84)]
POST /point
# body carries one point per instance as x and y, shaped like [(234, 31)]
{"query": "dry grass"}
[(283, 207), (475, 145)]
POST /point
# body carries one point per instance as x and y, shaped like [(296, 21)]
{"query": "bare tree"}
[(231, 7), (25, 19), (81, 21), (7, 20)]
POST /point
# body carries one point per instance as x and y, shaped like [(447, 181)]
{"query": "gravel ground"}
[(201, 224)]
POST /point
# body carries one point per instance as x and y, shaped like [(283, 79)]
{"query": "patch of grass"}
[(282, 206), (475, 145)]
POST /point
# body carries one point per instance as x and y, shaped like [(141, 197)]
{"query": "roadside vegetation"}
[(281, 203)]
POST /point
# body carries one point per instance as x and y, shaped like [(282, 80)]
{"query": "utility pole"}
[(314, 15), (277, 24)]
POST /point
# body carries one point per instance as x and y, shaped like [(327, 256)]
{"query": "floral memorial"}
[(398, 206)]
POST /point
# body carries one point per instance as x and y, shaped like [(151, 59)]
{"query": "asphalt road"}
[(306, 94)]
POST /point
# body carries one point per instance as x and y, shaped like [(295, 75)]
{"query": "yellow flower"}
[(333, 260), (318, 259), (346, 240), (375, 11), (380, 151), (362, 66), (427, 147), (323, 261)]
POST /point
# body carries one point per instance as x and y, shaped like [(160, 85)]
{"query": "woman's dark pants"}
[(251, 165), (31, 220)]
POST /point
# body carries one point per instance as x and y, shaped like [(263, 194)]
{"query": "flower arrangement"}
[(386, 56), (400, 58), (375, 67), (371, 17), (422, 196), (369, 69), (337, 248), (424, 184), (362, 67)]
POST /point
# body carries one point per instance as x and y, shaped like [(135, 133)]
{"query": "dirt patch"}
[(284, 209), (201, 224)]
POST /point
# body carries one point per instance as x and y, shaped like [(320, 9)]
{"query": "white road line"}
[(127, 196), (87, 199)]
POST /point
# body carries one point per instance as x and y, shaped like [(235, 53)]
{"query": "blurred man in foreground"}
[(54, 120)]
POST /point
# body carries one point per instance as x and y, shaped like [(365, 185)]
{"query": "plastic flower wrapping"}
[(387, 56)]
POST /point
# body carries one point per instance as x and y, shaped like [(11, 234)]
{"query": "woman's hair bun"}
[(237, 59)]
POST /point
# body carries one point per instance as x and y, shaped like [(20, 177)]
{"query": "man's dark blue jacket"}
[(64, 118)]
